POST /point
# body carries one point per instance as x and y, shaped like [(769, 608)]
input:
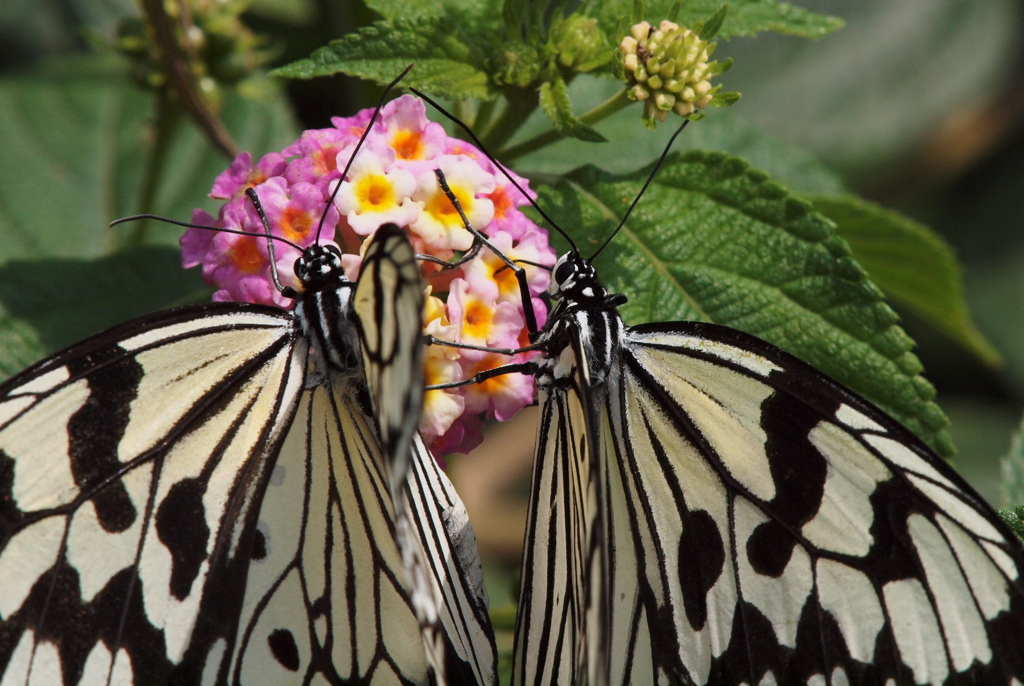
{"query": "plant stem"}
[(168, 116), (484, 112), (601, 112), (170, 34), (519, 104)]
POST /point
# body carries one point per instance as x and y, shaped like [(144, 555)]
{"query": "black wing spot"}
[(283, 648), (701, 560), (769, 548), (181, 526), (259, 546), (96, 429)]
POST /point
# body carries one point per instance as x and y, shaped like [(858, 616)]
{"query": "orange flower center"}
[(477, 319), (325, 160), (408, 145), (502, 202), (246, 256), (295, 224)]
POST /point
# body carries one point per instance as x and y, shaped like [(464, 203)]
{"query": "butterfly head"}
[(320, 268), (573, 276)]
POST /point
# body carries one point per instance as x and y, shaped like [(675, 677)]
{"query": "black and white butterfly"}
[(708, 509), (204, 495)]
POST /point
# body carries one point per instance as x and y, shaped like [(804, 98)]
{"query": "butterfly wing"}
[(432, 528), (327, 593), (130, 472), (550, 637), (182, 500), (452, 564), (785, 529)]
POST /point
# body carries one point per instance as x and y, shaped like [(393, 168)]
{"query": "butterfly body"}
[(708, 509), (203, 496)]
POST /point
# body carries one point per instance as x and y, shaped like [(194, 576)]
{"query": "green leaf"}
[(1012, 471), (710, 28), (61, 301), (715, 240), (404, 9), (554, 101), (912, 265), (446, 65), (72, 158), (78, 139), (1015, 519), (746, 17)]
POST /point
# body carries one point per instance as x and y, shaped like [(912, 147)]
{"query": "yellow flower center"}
[(442, 209), (375, 193)]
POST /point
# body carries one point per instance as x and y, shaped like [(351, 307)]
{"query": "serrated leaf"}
[(746, 17), (912, 265), (715, 240), (398, 9), (1011, 484), (554, 101), (445, 64), (65, 300), (76, 139)]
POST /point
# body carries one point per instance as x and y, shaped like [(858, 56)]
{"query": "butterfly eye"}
[(564, 270), (333, 248)]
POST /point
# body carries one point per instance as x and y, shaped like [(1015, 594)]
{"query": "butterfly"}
[(205, 495), (706, 508)]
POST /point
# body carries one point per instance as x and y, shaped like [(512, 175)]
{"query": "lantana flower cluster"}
[(392, 179)]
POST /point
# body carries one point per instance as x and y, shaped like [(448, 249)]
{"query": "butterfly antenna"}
[(458, 122), (287, 292), (359, 145), (190, 225), (650, 178), (524, 289)]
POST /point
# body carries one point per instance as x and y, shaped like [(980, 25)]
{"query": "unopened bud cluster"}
[(668, 69)]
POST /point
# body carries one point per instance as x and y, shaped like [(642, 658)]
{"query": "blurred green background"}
[(917, 105)]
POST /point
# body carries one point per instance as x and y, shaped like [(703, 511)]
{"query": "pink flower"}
[(413, 137), (480, 319), (533, 247), (238, 265), (317, 156), (462, 437), (500, 396), (391, 178), (372, 196), (355, 125), (294, 213), (441, 407), (439, 224), (195, 243), (241, 175)]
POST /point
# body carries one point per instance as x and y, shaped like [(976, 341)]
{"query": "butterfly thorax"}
[(324, 308), (584, 326)]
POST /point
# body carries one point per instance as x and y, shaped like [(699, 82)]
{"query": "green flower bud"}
[(667, 69), (581, 45)]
